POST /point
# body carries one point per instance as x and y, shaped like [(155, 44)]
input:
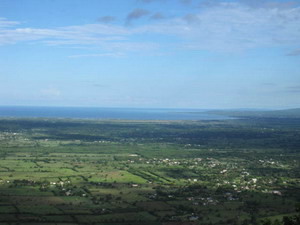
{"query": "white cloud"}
[(84, 34), (5, 23), (234, 26), (218, 27)]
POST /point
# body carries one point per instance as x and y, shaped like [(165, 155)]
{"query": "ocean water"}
[(106, 113)]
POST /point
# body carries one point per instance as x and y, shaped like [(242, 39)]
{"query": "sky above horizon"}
[(150, 53)]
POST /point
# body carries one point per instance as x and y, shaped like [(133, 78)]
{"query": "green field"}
[(63, 171)]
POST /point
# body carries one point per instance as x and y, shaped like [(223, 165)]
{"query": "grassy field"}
[(55, 171)]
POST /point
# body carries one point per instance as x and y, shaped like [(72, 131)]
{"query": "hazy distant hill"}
[(287, 113)]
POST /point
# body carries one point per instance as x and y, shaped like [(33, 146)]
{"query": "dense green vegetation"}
[(59, 171)]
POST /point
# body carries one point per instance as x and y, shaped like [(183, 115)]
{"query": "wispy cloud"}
[(186, 2), (191, 18), (114, 54), (293, 89), (269, 3), (73, 35), (136, 14), (5, 23), (234, 26), (222, 26), (106, 19), (294, 53), (157, 16), (251, 3)]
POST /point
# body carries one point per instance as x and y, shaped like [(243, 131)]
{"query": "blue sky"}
[(150, 53)]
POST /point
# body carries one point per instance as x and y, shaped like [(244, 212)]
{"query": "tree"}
[(292, 220), (266, 222), (288, 221)]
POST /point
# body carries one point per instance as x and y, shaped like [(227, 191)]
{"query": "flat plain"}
[(71, 171)]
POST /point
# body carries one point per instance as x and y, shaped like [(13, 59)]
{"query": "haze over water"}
[(106, 113)]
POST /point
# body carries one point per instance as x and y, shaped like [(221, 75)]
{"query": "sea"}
[(107, 113)]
